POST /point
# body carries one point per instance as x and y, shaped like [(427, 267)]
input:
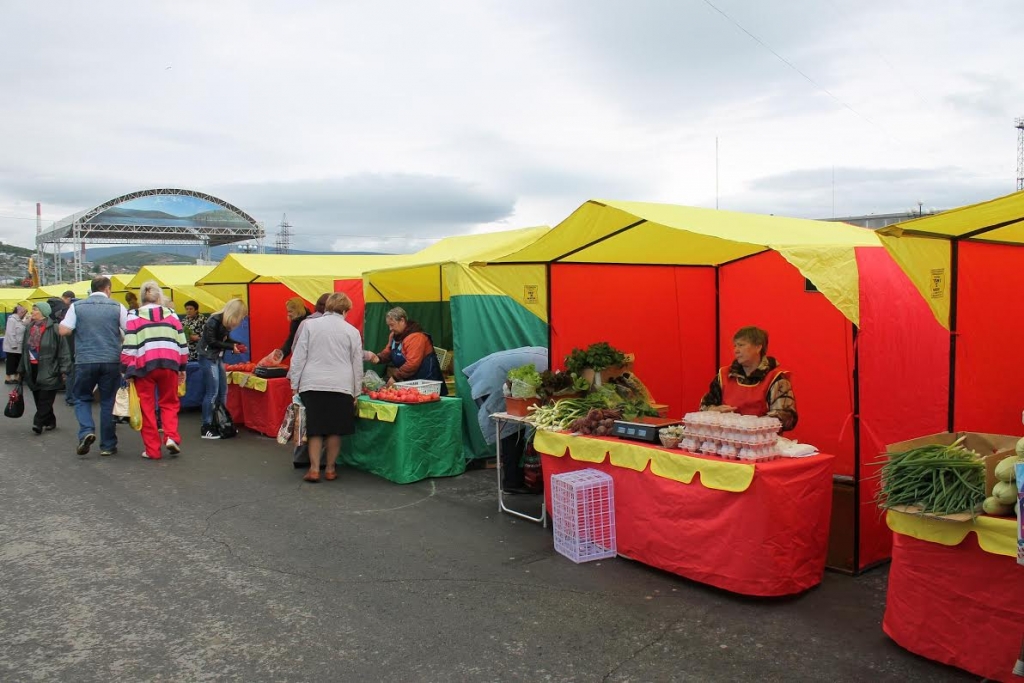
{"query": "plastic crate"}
[(424, 386), (444, 359), (583, 515)]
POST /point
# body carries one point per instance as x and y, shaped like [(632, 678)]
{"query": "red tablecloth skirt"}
[(262, 411), (958, 605), (769, 540)]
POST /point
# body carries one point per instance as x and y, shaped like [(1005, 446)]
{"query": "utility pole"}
[(1019, 124), (284, 235)]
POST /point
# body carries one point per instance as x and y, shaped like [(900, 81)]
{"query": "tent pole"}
[(600, 239), (718, 322), (954, 276), (547, 274), (856, 452)]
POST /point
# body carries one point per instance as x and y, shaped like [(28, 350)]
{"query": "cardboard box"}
[(991, 447)]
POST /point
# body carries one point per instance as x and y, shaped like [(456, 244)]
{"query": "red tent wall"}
[(665, 315), (354, 288), (807, 334), (268, 321), (990, 326), (903, 373)]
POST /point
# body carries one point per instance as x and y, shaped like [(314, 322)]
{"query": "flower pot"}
[(519, 407)]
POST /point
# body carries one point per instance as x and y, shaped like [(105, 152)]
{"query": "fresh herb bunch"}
[(941, 480), (598, 356), (525, 373)]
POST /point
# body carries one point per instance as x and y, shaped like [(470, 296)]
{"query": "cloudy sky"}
[(387, 125)]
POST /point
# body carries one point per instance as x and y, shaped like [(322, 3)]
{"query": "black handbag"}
[(271, 371), (223, 423), (15, 403)]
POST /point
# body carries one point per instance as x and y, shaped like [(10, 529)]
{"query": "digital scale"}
[(644, 429)]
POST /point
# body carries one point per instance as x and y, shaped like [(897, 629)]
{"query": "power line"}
[(791, 65)]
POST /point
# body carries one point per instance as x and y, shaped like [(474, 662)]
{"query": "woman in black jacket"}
[(45, 361), (215, 341)]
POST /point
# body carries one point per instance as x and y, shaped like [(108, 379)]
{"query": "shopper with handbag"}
[(327, 375), (215, 341), (154, 356), (45, 361)]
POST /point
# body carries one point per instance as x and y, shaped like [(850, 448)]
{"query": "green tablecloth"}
[(424, 440)]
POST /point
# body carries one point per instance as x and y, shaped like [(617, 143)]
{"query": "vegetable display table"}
[(955, 592), (258, 403), (754, 529), (404, 443)]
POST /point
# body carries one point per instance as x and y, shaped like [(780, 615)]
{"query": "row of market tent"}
[(889, 335)]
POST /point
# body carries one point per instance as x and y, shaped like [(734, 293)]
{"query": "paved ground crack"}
[(657, 639)]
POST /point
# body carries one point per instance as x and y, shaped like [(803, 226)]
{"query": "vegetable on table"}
[(597, 357), (992, 506), (1005, 492), (1005, 468), (936, 479)]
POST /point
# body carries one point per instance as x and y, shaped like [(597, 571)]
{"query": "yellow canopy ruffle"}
[(721, 475), (368, 409), (995, 535)]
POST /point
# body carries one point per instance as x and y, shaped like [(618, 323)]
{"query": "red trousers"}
[(164, 383)]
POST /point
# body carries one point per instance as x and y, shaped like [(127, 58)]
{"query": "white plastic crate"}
[(424, 386), (583, 515)]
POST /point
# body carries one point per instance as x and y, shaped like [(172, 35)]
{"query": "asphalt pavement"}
[(223, 565)]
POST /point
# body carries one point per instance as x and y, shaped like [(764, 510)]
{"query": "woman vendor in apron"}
[(754, 384), (409, 353)]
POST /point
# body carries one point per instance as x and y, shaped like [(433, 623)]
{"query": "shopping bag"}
[(284, 432), (181, 386), (134, 408), (15, 403), (223, 423), (121, 407)]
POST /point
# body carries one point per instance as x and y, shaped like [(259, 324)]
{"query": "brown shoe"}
[(330, 476), (312, 477)]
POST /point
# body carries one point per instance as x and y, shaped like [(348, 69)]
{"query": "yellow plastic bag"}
[(181, 385), (134, 407)]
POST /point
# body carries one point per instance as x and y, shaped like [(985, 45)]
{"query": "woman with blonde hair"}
[(215, 341), (154, 355), (327, 373)]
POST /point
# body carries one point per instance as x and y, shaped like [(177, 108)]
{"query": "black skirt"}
[(329, 413)]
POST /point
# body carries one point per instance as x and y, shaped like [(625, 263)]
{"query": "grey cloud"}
[(368, 205), (807, 193)]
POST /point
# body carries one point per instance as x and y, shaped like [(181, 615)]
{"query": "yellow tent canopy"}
[(617, 232), (419, 277), (12, 296), (307, 276), (81, 290), (181, 282), (923, 247)]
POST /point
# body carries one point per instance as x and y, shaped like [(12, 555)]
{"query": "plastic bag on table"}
[(273, 358), (372, 381)]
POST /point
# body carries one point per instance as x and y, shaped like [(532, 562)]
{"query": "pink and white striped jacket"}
[(153, 339)]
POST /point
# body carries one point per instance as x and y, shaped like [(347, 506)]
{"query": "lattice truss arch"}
[(77, 229)]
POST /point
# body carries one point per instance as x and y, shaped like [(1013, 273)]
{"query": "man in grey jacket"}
[(97, 323)]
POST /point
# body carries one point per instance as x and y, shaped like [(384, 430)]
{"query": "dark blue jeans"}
[(216, 386), (89, 376)]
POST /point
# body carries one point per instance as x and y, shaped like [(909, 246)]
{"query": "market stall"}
[(464, 312), (258, 403), (267, 281), (179, 283), (406, 443), (672, 284), (755, 529), (966, 264), (954, 592)]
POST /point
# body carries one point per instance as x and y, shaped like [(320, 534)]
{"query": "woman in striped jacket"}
[(154, 356)]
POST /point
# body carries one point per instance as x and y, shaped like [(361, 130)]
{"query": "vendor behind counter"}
[(409, 353), (755, 383)]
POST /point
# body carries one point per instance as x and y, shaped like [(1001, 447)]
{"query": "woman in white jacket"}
[(14, 336), (327, 374)]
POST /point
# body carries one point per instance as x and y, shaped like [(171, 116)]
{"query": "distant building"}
[(877, 221)]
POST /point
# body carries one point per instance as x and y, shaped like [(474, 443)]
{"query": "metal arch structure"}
[(78, 229)]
